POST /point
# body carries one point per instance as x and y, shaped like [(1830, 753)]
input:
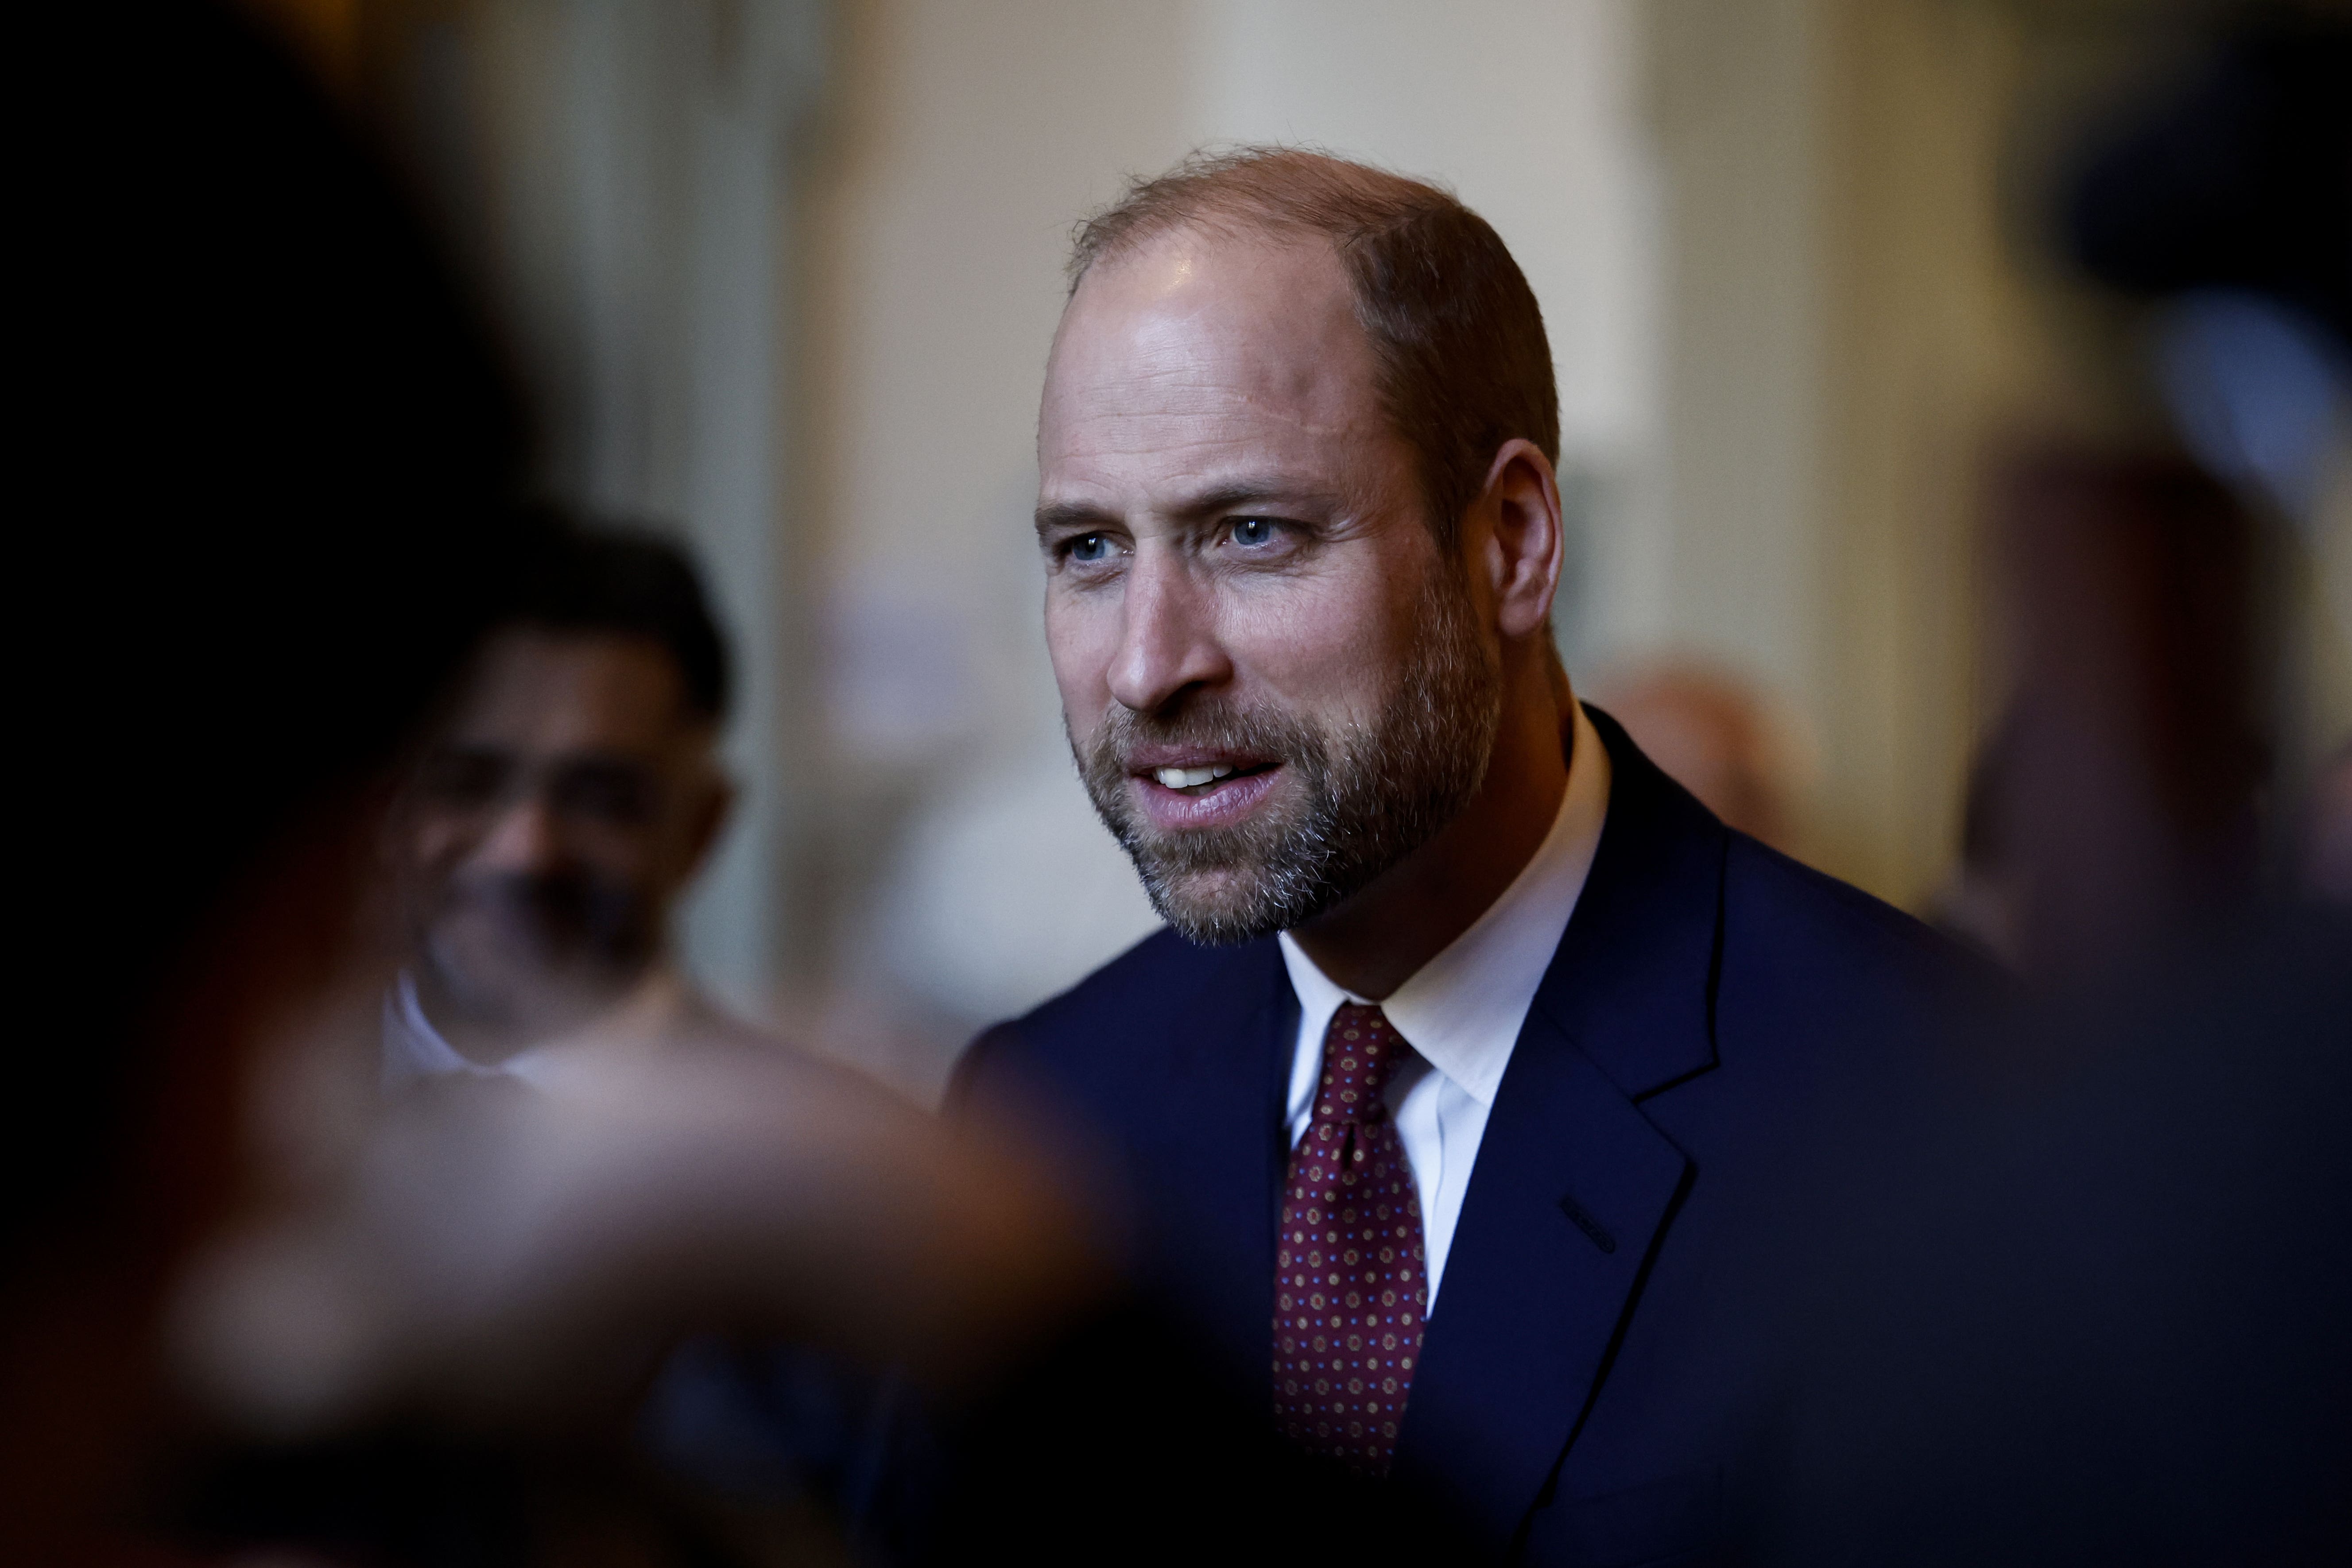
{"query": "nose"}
[(1167, 641), (522, 838)]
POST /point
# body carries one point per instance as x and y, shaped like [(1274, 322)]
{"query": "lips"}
[(1196, 791)]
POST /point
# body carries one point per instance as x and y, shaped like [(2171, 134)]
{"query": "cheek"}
[(1081, 636), (1329, 646)]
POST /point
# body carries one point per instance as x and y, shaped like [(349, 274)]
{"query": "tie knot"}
[(1361, 1051)]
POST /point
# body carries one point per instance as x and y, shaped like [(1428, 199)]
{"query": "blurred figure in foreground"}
[(2117, 1326), (558, 814), (266, 524), (275, 501)]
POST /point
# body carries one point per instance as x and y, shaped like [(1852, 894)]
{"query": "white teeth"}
[(1187, 778)]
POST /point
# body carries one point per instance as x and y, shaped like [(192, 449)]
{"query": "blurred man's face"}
[(552, 825), (1276, 684)]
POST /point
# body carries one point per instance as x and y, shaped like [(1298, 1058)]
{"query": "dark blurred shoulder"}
[(1139, 985)]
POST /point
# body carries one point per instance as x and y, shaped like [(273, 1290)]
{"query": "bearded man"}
[(1479, 1058)]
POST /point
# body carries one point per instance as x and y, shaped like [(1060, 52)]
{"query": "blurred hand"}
[(507, 1250)]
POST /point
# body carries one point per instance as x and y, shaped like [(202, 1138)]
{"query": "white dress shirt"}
[(1461, 1012), (415, 1049)]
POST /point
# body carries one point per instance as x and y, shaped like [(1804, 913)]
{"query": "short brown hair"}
[(1464, 364)]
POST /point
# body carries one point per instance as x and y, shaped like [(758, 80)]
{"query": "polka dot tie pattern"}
[(1351, 1280)]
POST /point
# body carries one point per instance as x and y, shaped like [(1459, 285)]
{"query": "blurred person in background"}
[(2216, 205), (560, 811), (1479, 1056), (1713, 735), (2163, 757), (555, 813), (2120, 804)]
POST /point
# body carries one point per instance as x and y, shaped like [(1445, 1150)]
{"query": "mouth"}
[(1202, 791)]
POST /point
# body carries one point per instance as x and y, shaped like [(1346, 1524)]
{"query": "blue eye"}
[(1253, 531), (1089, 547)]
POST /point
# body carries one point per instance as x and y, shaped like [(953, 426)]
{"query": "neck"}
[(1379, 939)]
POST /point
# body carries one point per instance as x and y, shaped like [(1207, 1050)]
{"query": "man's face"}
[(1276, 684), (565, 806)]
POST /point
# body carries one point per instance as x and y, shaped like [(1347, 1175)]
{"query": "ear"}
[(1523, 543)]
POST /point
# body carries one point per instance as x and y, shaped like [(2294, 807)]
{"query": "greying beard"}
[(1365, 796)]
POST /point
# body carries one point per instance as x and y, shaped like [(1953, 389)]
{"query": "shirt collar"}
[(1463, 1009), (412, 1047), (415, 1049)]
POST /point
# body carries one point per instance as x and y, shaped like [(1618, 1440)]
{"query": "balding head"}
[(1460, 360)]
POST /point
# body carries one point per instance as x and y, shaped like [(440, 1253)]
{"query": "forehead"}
[(537, 689), (1199, 354)]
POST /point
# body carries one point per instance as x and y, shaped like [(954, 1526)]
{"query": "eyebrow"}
[(1061, 516), (1058, 516)]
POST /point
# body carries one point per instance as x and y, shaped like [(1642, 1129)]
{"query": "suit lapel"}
[(1574, 1189)]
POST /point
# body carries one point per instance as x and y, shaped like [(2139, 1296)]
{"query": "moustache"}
[(1264, 733), (556, 910)]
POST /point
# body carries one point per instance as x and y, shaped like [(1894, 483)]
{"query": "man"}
[(1480, 1058), (558, 815)]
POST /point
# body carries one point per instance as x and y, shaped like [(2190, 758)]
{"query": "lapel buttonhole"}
[(1591, 1227)]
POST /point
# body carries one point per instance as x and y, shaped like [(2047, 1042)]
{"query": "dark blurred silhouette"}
[(274, 457), (2090, 1303), (2232, 176), (2120, 804), (278, 462), (270, 458), (2121, 798)]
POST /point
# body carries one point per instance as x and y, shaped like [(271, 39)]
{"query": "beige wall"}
[(1853, 325), (1929, 352)]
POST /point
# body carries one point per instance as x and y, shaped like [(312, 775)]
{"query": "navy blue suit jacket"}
[(1607, 1352)]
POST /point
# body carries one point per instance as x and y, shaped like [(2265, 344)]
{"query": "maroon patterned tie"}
[(1350, 1282)]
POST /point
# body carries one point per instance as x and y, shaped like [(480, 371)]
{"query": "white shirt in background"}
[(414, 1049), (1461, 1012)]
